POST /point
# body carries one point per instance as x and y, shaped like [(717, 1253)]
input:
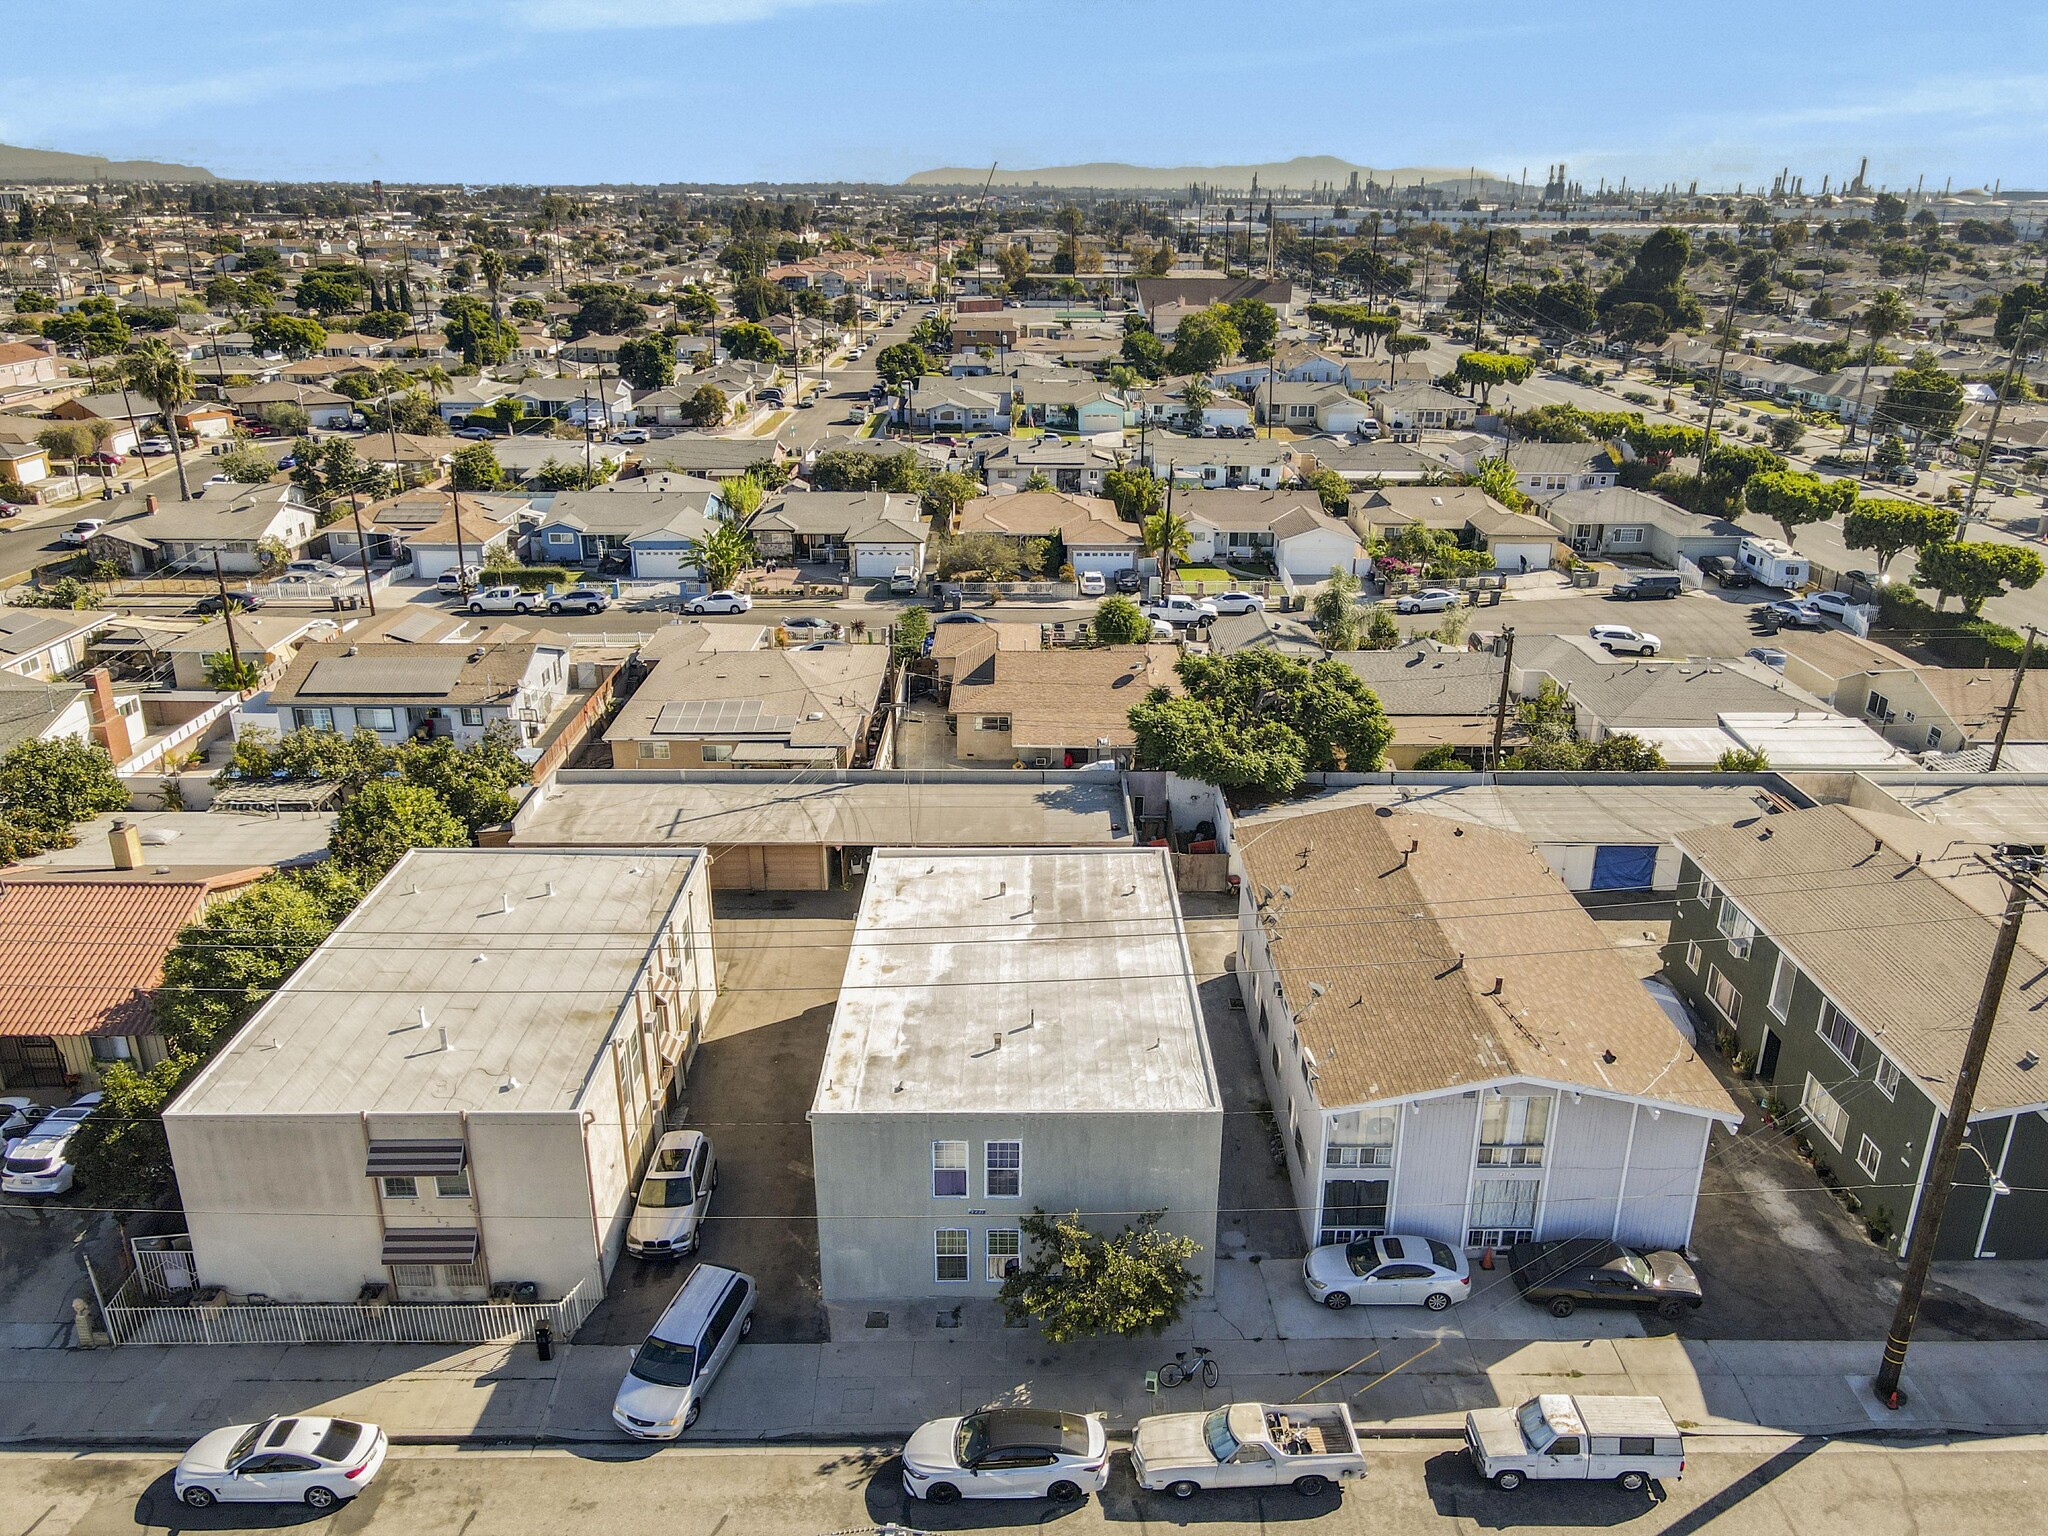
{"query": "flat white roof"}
[(523, 957), (993, 980)]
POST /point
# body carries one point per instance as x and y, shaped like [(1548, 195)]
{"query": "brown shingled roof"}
[(1459, 963), (81, 956)]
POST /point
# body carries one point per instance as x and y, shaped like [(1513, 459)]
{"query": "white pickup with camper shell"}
[(1309, 1446), (1622, 1440), (1179, 610)]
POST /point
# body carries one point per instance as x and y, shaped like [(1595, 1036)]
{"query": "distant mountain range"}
[(1299, 174), (18, 164)]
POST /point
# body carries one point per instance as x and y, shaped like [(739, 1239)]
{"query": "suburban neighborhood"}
[(798, 835)]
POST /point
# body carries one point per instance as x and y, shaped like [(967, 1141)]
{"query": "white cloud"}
[(621, 15)]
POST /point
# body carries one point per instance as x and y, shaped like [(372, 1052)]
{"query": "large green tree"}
[(1204, 340), (1888, 528), (1078, 1284), (385, 820), (1257, 326), (120, 1151), (1136, 492), (48, 787), (475, 467), (647, 362), (1483, 370), (904, 363), (1923, 397), (1975, 572), (296, 336), (471, 331), (1655, 275), (1118, 622), (728, 550), (1885, 315), (1792, 499), (1259, 720), (750, 343)]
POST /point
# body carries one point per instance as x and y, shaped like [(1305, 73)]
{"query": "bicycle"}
[(1180, 1369)]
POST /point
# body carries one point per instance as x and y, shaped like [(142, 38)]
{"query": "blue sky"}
[(565, 91)]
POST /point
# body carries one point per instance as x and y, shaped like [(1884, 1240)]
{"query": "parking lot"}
[(780, 958), (1711, 622)]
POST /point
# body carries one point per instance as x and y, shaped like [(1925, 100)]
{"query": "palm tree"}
[(492, 265), (1885, 315), (1195, 397), (153, 368)]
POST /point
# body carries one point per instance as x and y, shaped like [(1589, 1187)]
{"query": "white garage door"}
[(661, 564), (881, 560), (1107, 561)]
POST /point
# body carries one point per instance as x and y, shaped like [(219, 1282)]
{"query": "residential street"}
[(1765, 1486)]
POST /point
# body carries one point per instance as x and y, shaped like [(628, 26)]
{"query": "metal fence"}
[(134, 1317)]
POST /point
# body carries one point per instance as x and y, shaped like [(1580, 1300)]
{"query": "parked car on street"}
[(454, 579), (630, 435), (240, 602), (1008, 1453), (1179, 610), (1639, 588), (1902, 474), (18, 1116), (475, 434), (719, 602), (805, 626), (663, 1391), (154, 445), (325, 570), (1833, 605), (1305, 1446), (1623, 1440), (40, 1162), (1769, 655), (1093, 584), (587, 598), (1428, 600), (300, 1460), (502, 600), (1387, 1271), (674, 1197), (1591, 1271), (1615, 638), (1238, 602), (82, 530)]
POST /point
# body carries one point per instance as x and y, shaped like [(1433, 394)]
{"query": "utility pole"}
[(1720, 362), (1165, 536), (1485, 276), (2012, 359), (2012, 700), (355, 511), (462, 581), (227, 611), (1941, 1169), (1507, 675)]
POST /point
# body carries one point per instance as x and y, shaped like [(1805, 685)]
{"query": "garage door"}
[(659, 564), (775, 867), (1624, 867)]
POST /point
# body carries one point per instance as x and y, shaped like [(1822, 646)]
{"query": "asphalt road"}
[(1771, 1488), (845, 387)]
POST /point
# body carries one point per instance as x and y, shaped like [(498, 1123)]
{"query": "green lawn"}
[(1202, 573)]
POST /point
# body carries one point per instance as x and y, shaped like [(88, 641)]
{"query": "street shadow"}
[(889, 1505), (1457, 1492), (1754, 1481), (1246, 1508), (157, 1508)]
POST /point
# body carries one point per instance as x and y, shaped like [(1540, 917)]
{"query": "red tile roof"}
[(80, 957)]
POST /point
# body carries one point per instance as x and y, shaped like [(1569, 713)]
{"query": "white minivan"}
[(665, 1385), (674, 1198)]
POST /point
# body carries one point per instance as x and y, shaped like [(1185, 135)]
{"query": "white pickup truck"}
[(1623, 1440), (1179, 610), (1247, 1445)]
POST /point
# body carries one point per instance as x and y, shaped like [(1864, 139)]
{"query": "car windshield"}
[(666, 1190), (1632, 1265), (247, 1443), (1216, 1432), (33, 1163), (341, 1438), (665, 1364), (971, 1442), (1440, 1255), (1362, 1256), (1535, 1428)]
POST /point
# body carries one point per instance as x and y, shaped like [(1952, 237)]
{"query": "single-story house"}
[(660, 531), (874, 533), (1288, 527), (1309, 406), (1620, 521), (1545, 469), (1422, 408), (1070, 464), (224, 522), (1094, 537), (1433, 698), (1054, 708), (436, 530), (938, 403), (323, 407), (1221, 463)]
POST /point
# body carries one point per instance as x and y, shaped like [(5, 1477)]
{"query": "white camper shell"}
[(1622, 1440)]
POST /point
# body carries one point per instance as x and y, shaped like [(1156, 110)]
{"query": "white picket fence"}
[(134, 1318)]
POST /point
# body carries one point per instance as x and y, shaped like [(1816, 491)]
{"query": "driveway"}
[(780, 960), (1705, 623)]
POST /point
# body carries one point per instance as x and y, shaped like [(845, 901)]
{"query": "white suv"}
[(1615, 638), (674, 1198)]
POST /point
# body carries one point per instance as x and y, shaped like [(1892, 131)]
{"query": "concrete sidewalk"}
[(1404, 1372)]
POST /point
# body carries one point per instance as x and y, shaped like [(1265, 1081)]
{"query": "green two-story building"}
[(1845, 949)]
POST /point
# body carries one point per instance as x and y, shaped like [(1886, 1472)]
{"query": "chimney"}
[(149, 506), (108, 728), (126, 840)]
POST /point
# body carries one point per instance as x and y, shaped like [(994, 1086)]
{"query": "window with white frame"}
[(1825, 1111), (1781, 985), (1886, 1078), (1707, 891), (949, 1256), (654, 751), (1005, 1253), (1722, 994), (1512, 1130), (401, 1186), (377, 719), (1004, 1170), (949, 1170), (317, 718), (1692, 956), (1361, 1140), (1868, 1157), (1503, 1212), (1843, 1038), (1737, 929), (1625, 536)]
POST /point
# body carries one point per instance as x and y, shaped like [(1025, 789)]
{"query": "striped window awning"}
[(429, 1245), (421, 1158)]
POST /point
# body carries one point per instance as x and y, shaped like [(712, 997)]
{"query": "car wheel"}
[(693, 1412), (1633, 1482), (521, 608), (1063, 1492), (196, 1498), (747, 1325), (1437, 1301), (1310, 1485), (592, 608), (318, 1497), (554, 607), (942, 1493), (1507, 1482), (1672, 1310), (1562, 1306), (1183, 1489), (1337, 1301)]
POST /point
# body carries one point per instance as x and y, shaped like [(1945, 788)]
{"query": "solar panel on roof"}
[(719, 717)]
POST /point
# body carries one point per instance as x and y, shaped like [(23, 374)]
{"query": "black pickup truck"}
[(1565, 1276)]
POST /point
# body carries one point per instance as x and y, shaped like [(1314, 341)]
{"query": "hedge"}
[(1951, 634), (529, 578)]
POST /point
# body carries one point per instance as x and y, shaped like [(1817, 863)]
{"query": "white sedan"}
[(1615, 638), (719, 602), (1238, 602), (1428, 600), (1008, 1453), (315, 1462), (1387, 1272)]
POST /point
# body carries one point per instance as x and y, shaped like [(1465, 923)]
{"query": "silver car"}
[(674, 1198), (310, 1461), (1387, 1272)]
